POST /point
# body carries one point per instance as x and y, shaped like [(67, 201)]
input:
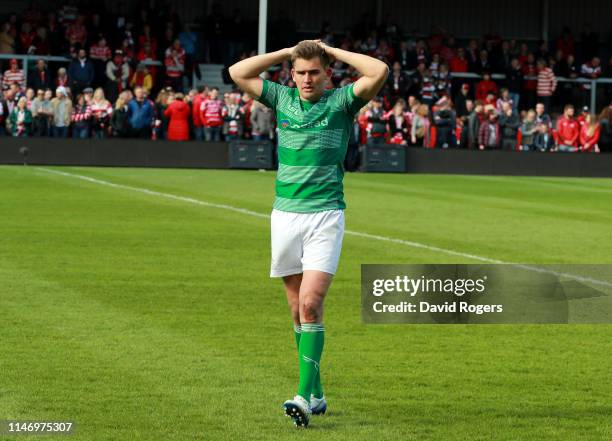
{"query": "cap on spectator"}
[(585, 109), (118, 52), (61, 89), (465, 86), (88, 90)]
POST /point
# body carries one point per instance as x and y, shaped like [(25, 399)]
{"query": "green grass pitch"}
[(142, 317)]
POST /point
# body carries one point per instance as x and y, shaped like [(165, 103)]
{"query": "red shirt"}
[(458, 65), (483, 88), (568, 131), (588, 142)]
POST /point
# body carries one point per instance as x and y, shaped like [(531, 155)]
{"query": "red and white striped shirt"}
[(175, 63), (211, 113), (14, 76), (81, 113), (547, 82), (97, 52)]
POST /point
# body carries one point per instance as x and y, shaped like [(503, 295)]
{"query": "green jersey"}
[(312, 142)]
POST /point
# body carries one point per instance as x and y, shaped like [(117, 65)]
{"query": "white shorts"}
[(306, 241)]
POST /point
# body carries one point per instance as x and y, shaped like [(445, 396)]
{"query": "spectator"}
[(76, 32), (420, 130), (509, 123), (543, 140), (61, 80), (460, 99), (605, 122), (233, 118), (428, 88), (177, 113), (475, 120), (80, 72), (398, 81), (14, 75), (99, 54), (528, 131), (42, 112), (196, 104), (262, 127), (62, 111), (399, 132), (39, 78), (81, 118), (463, 122), (591, 71), (459, 64), (147, 56), (547, 84), (568, 131), (211, 115), (117, 74), (530, 84), (445, 121), (485, 86), (483, 64), (443, 81), (142, 78), (7, 41), (161, 104), (504, 99), (589, 134), (541, 116), (141, 114), (119, 118), (489, 134), (175, 65), (101, 111), (377, 127), (21, 119), (514, 82)]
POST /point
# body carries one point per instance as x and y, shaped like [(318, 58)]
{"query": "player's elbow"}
[(383, 70)]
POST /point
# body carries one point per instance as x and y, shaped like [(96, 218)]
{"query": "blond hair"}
[(309, 49)]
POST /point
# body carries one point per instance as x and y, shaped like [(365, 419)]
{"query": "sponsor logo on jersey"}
[(285, 123)]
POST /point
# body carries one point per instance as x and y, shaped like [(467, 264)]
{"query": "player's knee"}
[(311, 310)]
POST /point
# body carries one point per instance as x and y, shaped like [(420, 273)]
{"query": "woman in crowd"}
[(161, 104), (178, 113), (21, 119), (119, 118), (420, 126), (101, 111), (399, 130), (81, 118), (589, 134)]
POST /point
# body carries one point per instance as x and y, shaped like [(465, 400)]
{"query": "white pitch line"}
[(352, 233)]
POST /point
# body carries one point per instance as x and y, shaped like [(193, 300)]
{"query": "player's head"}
[(310, 69)]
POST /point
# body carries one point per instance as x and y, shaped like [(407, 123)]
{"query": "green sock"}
[(317, 389), (310, 348)]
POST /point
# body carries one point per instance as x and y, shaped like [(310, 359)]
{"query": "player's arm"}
[(246, 73), (374, 72)]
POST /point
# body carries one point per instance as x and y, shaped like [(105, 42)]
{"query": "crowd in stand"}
[(132, 79)]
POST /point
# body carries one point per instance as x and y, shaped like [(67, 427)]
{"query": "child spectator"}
[(543, 140)]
